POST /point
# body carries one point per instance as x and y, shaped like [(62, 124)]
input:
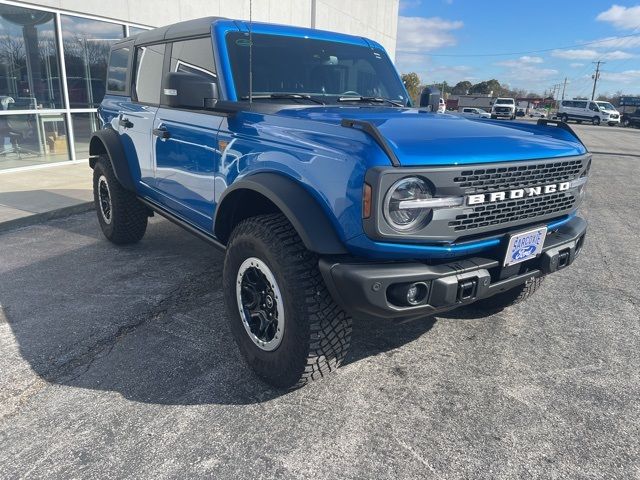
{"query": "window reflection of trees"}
[(28, 59)]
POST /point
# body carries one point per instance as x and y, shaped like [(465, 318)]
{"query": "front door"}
[(184, 143), (185, 149)]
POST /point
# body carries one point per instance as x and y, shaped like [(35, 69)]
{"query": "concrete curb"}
[(45, 216)]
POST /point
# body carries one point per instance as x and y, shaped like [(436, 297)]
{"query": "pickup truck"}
[(504, 108), (297, 153)]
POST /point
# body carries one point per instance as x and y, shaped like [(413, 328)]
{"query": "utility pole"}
[(596, 77), (564, 87)]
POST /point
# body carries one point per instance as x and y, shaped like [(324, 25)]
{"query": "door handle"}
[(124, 122), (161, 132)]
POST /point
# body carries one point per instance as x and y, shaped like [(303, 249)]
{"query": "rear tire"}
[(510, 297), (305, 335), (626, 123), (564, 118), (595, 120), (122, 217)]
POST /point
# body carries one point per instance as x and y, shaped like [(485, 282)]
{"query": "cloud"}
[(526, 71), (408, 4), (619, 42), (420, 34), (621, 17), (589, 54), (626, 77), (526, 60), (576, 65)]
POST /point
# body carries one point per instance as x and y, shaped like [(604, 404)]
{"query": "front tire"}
[(511, 297), (285, 322), (564, 118), (595, 120), (122, 217)]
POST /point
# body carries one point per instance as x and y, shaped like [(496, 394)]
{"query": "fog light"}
[(408, 294)]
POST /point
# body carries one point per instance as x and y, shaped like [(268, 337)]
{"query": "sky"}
[(526, 44)]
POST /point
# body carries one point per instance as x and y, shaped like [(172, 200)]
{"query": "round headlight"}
[(399, 215)]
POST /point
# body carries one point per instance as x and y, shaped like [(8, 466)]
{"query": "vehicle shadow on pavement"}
[(145, 321)]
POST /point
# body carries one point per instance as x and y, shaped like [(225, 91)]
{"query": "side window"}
[(149, 61), (117, 71), (581, 104), (593, 107), (194, 56)]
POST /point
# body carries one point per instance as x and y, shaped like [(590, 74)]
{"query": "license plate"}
[(525, 246)]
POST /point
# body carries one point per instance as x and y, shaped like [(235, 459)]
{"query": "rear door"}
[(135, 118), (185, 143)]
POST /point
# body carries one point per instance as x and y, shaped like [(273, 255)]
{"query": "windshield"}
[(606, 106), (326, 71), (504, 101)]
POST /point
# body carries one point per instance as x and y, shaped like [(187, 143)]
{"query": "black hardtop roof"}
[(189, 28)]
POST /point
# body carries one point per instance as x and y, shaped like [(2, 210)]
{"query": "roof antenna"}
[(250, 52)]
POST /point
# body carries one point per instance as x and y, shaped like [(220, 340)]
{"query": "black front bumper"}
[(366, 288)]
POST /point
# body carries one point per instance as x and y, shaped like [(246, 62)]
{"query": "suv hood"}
[(441, 139)]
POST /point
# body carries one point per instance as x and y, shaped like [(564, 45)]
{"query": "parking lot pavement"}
[(118, 362)]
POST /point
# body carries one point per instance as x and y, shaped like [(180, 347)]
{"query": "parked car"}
[(504, 108), (539, 113), (329, 196), (474, 112), (631, 119), (585, 110)]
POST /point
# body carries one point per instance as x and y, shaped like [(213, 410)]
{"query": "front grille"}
[(497, 179), (484, 180), (503, 109), (513, 210)]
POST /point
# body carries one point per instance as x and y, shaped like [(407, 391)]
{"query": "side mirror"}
[(189, 90)]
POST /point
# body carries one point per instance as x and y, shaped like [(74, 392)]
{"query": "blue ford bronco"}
[(297, 152)]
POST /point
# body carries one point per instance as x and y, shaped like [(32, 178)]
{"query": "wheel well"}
[(96, 147), (238, 206)]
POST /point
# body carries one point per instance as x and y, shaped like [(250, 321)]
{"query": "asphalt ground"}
[(118, 363)]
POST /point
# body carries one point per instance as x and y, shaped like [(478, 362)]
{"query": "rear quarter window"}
[(117, 72)]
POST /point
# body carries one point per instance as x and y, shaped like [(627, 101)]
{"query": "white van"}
[(504, 108), (588, 111)]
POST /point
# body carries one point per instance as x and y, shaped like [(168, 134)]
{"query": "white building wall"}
[(376, 19)]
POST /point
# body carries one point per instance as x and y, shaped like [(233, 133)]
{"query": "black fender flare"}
[(294, 201), (107, 141)]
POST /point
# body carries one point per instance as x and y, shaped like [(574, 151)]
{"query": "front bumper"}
[(365, 288)]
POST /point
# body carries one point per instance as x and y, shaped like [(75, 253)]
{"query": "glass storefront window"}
[(86, 51), (136, 30), (29, 62), (84, 124), (32, 139)]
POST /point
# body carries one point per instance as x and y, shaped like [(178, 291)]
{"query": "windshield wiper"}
[(371, 100), (284, 96)]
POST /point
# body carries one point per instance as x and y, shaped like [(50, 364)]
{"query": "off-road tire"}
[(511, 297), (128, 216), (317, 332)]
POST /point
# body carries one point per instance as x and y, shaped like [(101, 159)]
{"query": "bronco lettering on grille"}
[(517, 193)]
